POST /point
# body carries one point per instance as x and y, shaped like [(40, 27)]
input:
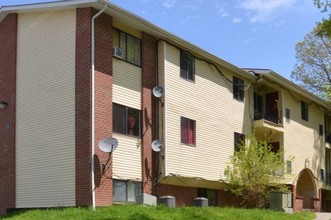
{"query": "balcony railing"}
[(327, 179), (328, 137), (275, 118)]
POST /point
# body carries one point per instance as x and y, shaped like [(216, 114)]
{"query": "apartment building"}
[(73, 73), (298, 122)]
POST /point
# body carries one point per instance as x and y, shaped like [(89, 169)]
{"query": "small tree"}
[(254, 171)]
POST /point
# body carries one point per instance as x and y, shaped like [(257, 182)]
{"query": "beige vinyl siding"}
[(45, 126), (127, 29), (126, 84), (127, 92), (209, 101), (302, 139), (127, 158)]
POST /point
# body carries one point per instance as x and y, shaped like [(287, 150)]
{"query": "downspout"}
[(92, 102), (165, 109)]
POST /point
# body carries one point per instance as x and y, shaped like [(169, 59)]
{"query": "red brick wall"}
[(149, 55), (297, 200), (103, 106), (317, 202), (184, 195), (226, 198), (8, 42), (83, 106)]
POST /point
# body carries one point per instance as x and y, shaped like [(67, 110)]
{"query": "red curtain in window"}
[(184, 130), (191, 132), (187, 131)]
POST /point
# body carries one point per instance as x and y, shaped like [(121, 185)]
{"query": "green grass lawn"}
[(138, 212)]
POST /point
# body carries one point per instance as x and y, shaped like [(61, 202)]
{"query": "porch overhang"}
[(173, 179)]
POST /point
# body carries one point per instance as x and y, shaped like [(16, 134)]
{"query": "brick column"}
[(83, 119), (149, 72), (103, 107), (317, 202), (8, 59)]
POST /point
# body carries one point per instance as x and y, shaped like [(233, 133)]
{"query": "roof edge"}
[(285, 82)]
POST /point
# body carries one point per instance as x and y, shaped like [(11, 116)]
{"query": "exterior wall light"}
[(3, 104), (307, 161)]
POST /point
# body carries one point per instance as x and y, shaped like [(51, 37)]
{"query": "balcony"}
[(265, 126), (271, 117), (266, 111), (328, 137), (327, 129), (327, 178)]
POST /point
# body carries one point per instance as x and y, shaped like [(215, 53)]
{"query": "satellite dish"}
[(108, 144), (158, 91), (157, 145)]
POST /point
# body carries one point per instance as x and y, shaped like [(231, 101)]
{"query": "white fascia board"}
[(4, 10), (275, 77), (45, 5), (304, 93), (133, 19), (144, 25)]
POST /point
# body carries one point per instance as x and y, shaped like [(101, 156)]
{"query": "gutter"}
[(92, 101)]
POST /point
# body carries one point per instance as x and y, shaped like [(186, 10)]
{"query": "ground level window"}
[(125, 191), (239, 141), (210, 194), (275, 147)]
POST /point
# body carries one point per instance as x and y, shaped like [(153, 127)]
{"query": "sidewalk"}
[(323, 215)]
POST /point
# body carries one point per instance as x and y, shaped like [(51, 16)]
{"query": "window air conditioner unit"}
[(118, 52)]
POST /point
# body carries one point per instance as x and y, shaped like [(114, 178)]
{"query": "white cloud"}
[(169, 3), (236, 20), (279, 23), (191, 7), (223, 12), (248, 40), (185, 20), (264, 10)]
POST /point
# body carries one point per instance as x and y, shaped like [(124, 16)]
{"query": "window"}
[(210, 194), (239, 140), (274, 147), (238, 89), (126, 120), (327, 170), (304, 110), (322, 174), (321, 130), (258, 106), (125, 191), (187, 69), (288, 167), (187, 131), (287, 114), (130, 45)]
